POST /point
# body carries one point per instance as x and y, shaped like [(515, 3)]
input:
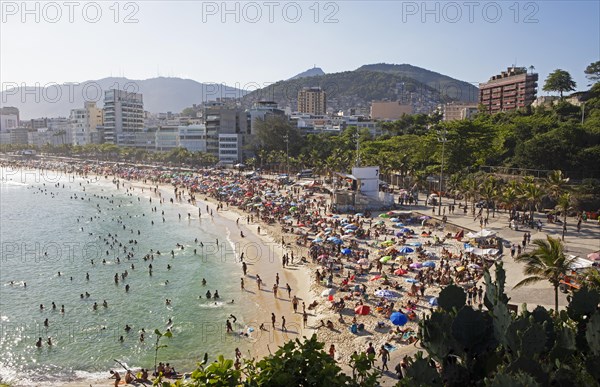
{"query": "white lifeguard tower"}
[(367, 180)]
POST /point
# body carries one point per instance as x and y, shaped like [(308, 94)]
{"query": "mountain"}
[(358, 88), (159, 94), (447, 86), (315, 71)]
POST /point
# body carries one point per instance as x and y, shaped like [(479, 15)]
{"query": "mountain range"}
[(159, 94), (349, 89)]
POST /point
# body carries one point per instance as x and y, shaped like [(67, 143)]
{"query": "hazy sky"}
[(239, 43)]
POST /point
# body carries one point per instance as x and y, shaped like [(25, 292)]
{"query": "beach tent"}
[(580, 263)]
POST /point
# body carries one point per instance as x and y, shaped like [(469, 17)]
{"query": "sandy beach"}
[(407, 282)]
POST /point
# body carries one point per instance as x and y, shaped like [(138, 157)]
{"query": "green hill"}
[(353, 89)]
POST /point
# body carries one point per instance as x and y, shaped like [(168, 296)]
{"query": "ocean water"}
[(45, 229)]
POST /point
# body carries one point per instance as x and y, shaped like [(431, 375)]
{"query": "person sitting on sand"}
[(129, 377), (329, 324)]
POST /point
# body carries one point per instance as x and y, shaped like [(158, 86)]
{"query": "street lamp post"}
[(443, 139)]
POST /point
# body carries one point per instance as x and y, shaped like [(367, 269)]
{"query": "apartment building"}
[(312, 100), (510, 90)]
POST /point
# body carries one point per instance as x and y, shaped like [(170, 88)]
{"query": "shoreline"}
[(300, 278)]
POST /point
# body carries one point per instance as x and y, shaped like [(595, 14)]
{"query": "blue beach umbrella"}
[(346, 251), (398, 318), (405, 250), (429, 264)]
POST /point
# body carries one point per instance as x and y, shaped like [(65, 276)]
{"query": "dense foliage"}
[(493, 347)]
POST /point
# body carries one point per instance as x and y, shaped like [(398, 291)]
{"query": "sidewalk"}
[(576, 243)]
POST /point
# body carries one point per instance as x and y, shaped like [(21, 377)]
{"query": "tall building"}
[(85, 123), (312, 100), (261, 110), (385, 110), (123, 117), (509, 90), (227, 131), (9, 118)]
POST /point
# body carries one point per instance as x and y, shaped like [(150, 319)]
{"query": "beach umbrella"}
[(395, 220), (328, 229), (337, 241), (359, 214), (398, 318), (318, 240), (384, 293), (424, 217), (399, 233), (460, 268), (433, 301), (416, 265), (385, 259), (398, 225), (405, 229), (387, 243), (405, 250), (362, 310), (384, 216), (349, 232), (293, 208), (346, 251), (327, 292), (429, 264), (400, 272), (474, 266), (391, 213), (412, 281), (350, 227), (414, 244), (363, 261), (375, 278)]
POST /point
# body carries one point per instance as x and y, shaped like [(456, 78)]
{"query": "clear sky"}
[(239, 43)]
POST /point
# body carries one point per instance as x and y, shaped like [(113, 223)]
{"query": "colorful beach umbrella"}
[(405, 250), (398, 318), (400, 272), (346, 251), (385, 259), (362, 310)]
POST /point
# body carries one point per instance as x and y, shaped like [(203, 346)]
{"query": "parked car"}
[(305, 174)]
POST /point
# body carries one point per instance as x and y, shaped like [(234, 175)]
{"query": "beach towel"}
[(389, 347)]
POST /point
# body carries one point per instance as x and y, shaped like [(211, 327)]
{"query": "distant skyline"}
[(271, 41)]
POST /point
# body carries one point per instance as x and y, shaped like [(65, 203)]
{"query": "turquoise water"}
[(41, 235)]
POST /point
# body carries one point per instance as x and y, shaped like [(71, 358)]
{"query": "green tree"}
[(547, 262), (559, 80), (564, 205), (592, 72), (556, 183)]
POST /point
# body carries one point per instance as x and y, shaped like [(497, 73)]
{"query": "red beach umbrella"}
[(362, 310)]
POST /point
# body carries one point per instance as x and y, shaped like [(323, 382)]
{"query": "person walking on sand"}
[(283, 327), (242, 283), (385, 356), (295, 304), (273, 318), (275, 290), (332, 351), (305, 318)]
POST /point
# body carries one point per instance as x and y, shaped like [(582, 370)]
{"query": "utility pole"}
[(443, 139)]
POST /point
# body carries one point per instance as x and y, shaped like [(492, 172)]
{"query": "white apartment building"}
[(84, 124)]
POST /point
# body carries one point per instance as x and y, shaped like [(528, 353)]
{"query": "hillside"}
[(447, 86), (160, 95), (352, 89), (315, 71)]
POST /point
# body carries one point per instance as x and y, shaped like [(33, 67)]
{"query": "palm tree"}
[(556, 183), (547, 262), (454, 185), (509, 197), (532, 193), (489, 192), (564, 206), (471, 190)]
